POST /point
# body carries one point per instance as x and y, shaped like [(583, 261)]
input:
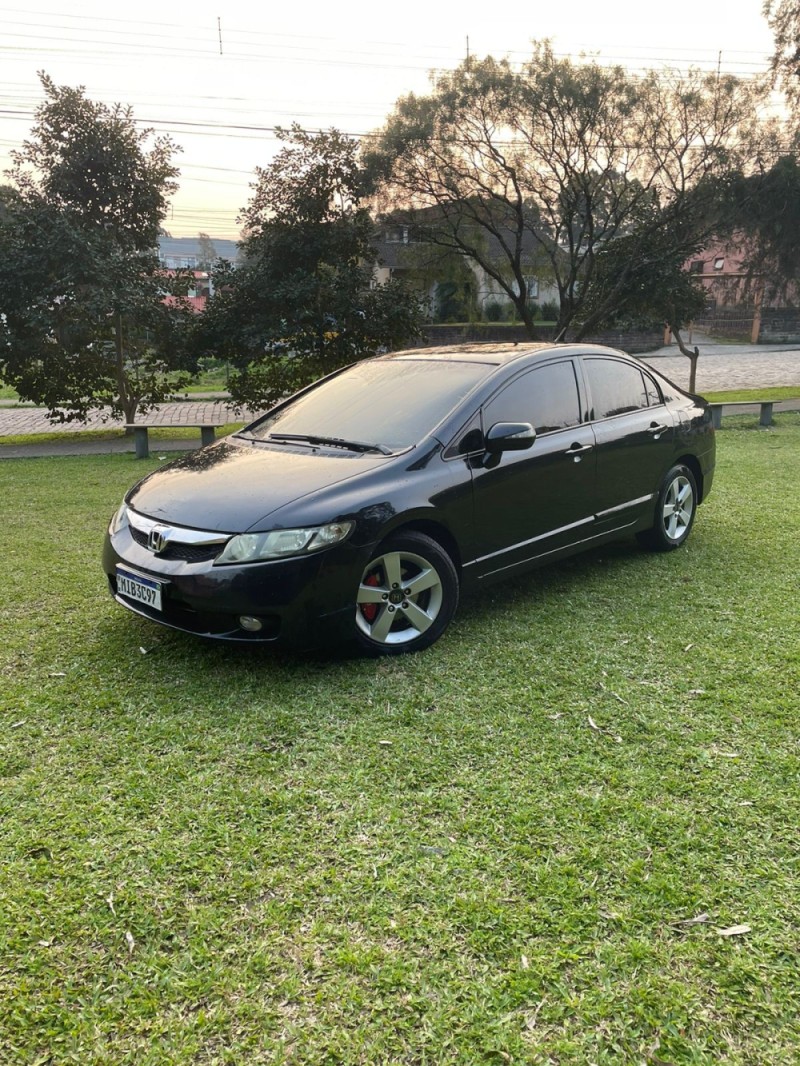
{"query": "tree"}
[(765, 202), (765, 211), (783, 17), (662, 292), (302, 303), (558, 159), (208, 253), (88, 320)]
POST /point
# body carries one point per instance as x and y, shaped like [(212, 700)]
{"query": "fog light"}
[(251, 624)]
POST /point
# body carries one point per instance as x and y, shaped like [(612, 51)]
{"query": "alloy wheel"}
[(678, 508), (399, 598)]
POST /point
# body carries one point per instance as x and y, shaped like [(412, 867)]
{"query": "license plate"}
[(141, 589)]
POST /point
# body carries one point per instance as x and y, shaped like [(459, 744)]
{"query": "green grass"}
[(779, 392), (220, 855), (159, 433), (213, 380)]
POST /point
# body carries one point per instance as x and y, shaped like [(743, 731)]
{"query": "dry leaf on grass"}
[(700, 919), (604, 732), (734, 930)]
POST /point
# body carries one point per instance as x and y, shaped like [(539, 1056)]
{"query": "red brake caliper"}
[(370, 610)]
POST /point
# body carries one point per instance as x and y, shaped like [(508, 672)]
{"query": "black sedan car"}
[(359, 507)]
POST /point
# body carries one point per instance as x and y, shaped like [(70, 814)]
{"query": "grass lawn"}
[(773, 392), (154, 435), (491, 852)]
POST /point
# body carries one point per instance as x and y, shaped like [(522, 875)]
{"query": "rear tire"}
[(407, 596), (674, 514)]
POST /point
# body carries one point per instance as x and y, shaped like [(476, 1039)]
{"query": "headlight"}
[(119, 521), (281, 543)]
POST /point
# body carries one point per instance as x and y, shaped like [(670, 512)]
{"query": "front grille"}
[(189, 553)]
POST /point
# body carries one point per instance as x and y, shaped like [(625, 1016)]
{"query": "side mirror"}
[(509, 437)]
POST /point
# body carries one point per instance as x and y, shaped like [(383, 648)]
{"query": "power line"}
[(249, 33)]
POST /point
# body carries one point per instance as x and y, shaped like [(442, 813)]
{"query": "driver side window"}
[(546, 396)]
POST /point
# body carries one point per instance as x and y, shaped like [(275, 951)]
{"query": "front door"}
[(529, 504)]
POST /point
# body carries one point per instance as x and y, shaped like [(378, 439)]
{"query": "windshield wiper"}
[(333, 442)]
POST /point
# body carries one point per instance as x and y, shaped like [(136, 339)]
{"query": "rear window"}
[(394, 403), (616, 388)]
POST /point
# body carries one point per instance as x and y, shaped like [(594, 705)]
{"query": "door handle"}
[(657, 430), (577, 450)]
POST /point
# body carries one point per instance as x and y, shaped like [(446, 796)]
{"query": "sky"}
[(220, 77)]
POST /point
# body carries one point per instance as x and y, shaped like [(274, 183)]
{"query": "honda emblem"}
[(158, 539)]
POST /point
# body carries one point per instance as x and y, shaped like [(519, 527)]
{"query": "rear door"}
[(635, 436)]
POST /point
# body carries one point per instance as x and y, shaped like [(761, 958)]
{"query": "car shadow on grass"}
[(571, 579)]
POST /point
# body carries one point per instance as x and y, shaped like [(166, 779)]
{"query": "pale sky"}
[(333, 64)]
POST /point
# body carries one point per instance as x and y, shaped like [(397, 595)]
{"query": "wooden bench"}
[(765, 407), (142, 444)]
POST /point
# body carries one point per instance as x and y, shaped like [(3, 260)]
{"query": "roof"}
[(185, 246), (498, 354)]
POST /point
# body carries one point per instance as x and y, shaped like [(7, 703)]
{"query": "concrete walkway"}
[(720, 367)]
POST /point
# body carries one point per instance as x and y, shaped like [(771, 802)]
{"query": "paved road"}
[(735, 366), (721, 366)]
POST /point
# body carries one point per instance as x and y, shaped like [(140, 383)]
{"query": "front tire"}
[(407, 596), (675, 510)]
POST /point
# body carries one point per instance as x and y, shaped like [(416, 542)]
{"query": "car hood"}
[(234, 485)]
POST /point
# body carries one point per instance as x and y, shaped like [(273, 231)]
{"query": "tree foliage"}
[(555, 161), (302, 303), (766, 201), (783, 17), (765, 209), (85, 323), (207, 252)]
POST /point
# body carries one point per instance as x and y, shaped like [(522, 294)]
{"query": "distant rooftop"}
[(186, 251)]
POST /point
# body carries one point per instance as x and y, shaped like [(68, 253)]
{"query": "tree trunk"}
[(524, 312), (126, 398), (692, 354)]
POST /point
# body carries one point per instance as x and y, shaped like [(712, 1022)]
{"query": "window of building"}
[(719, 263)]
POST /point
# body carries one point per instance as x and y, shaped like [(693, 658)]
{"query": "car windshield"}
[(389, 403)]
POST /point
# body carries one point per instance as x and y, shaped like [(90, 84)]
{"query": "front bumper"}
[(303, 601)]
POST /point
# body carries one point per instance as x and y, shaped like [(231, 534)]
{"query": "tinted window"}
[(394, 402), (469, 439), (616, 387), (653, 396), (547, 397)]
